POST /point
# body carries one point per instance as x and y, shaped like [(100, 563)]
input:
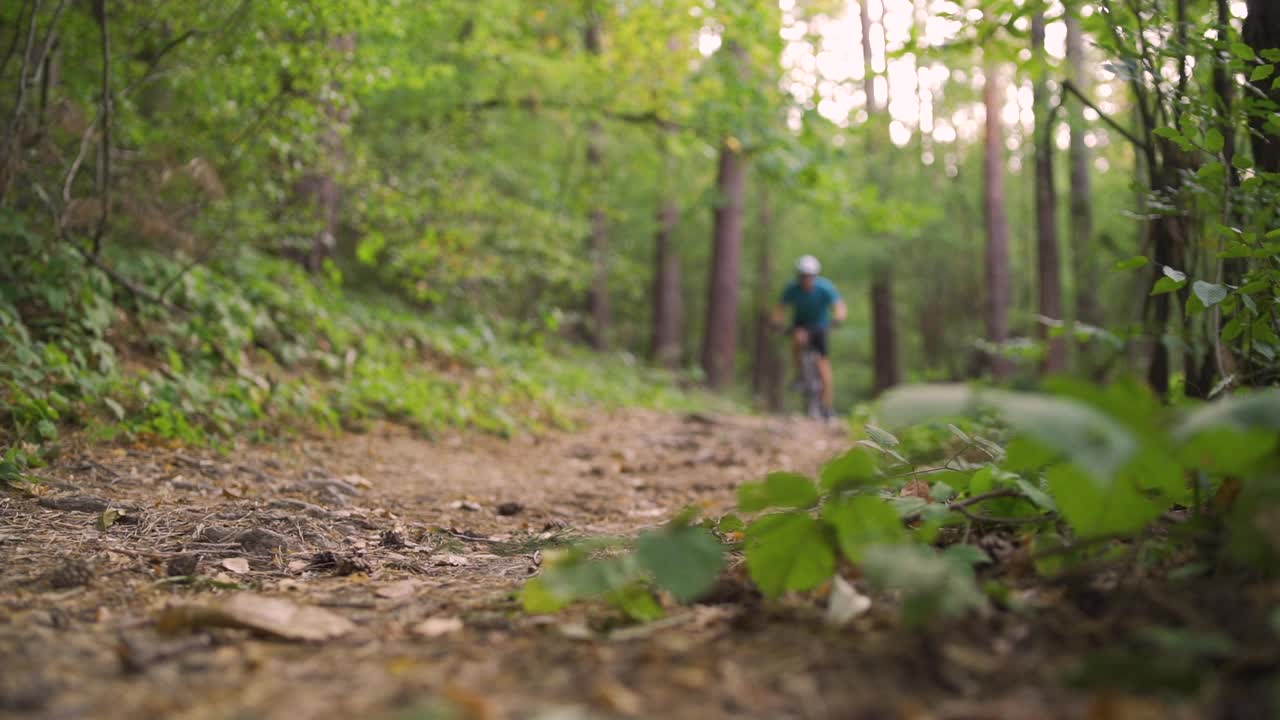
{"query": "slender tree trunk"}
[(766, 375), (321, 185), (667, 310), (1047, 261), (1082, 252), (1262, 32), (997, 249), (721, 333), (884, 329), (868, 76), (598, 296)]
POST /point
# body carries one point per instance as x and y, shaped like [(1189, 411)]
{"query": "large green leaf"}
[(684, 561), (778, 490), (1253, 411), (1082, 433), (931, 584), (1120, 507), (790, 551), (852, 468), (1209, 293), (913, 404), (861, 522)]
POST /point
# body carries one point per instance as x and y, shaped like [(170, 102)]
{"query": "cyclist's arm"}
[(841, 311), (779, 315)]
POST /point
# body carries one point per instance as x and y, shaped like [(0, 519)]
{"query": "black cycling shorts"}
[(817, 337)]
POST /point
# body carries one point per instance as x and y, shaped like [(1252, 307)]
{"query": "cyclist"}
[(814, 303)]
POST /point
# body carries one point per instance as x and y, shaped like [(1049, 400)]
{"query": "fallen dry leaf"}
[(397, 590), (236, 565), (452, 560), (437, 626), (271, 616), (618, 698), (916, 488), (358, 481), (845, 602)]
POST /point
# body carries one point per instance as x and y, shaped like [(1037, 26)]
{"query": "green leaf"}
[(47, 430), (1037, 496), (880, 437), (913, 404), (983, 481), (684, 561), (1132, 263), (1243, 52), (1209, 293), (1254, 411), (931, 584), (779, 490), (637, 602), (861, 522), (1025, 454), (1093, 510), (1167, 285), (1213, 140), (1087, 436), (730, 523), (537, 599), (855, 467), (790, 551), (1227, 451)]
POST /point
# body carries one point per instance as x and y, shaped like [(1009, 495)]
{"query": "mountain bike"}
[(811, 384)]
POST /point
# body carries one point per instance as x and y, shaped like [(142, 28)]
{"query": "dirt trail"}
[(405, 538)]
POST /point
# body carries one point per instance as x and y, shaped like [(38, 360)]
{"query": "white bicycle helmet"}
[(808, 265)]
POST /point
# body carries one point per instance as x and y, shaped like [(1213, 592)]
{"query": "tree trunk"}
[(667, 311), (598, 296), (1047, 262), (1082, 252), (1262, 32), (996, 308), (884, 331), (321, 186), (720, 337), (868, 77), (766, 371)]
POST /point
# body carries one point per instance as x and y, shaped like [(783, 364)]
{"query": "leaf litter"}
[(353, 569)]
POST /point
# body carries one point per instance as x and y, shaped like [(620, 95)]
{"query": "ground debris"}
[(337, 564), (137, 654), (270, 616), (182, 565), (83, 504), (70, 573)]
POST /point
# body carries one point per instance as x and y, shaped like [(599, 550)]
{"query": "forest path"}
[(420, 544)]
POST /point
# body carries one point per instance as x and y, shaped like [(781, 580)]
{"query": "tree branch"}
[(1111, 122), (13, 42)]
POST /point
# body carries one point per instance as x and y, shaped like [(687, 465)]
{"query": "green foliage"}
[(253, 344), (1082, 472)]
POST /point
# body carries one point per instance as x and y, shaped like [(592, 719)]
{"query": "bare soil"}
[(422, 545)]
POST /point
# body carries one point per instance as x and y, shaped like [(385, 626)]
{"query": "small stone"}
[(262, 541), (70, 574), (182, 565), (507, 509)]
